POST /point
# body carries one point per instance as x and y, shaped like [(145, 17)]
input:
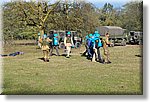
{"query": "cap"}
[(96, 32), (68, 33), (44, 36), (55, 35), (90, 35)]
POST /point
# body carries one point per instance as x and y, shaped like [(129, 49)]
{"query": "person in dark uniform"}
[(55, 44)]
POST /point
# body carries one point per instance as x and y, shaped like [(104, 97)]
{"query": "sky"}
[(97, 3)]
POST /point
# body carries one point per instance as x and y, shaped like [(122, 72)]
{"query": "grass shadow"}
[(138, 55), (41, 59), (63, 55)]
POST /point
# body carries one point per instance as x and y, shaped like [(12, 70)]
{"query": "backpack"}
[(55, 41), (98, 43)]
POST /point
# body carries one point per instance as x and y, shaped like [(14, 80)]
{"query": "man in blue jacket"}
[(96, 47), (90, 46), (55, 44)]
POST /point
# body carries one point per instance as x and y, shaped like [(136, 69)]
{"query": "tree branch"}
[(50, 11)]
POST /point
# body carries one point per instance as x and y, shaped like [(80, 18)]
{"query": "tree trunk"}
[(41, 30)]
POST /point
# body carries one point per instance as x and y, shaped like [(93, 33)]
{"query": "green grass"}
[(27, 74)]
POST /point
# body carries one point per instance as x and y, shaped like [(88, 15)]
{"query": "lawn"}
[(28, 74)]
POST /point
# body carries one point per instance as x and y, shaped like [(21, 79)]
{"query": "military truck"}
[(135, 37), (117, 35), (77, 40)]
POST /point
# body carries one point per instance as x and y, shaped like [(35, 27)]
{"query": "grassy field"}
[(28, 74)]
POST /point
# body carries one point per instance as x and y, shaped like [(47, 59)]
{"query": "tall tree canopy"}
[(24, 19), (132, 16)]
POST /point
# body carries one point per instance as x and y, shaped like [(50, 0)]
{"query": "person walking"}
[(45, 47), (68, 41), (55, 44), (97, 44), (105, 42)]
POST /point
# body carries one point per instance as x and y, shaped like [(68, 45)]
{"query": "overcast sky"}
[(97, 3)]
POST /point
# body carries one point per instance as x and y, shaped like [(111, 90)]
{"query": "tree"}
[(132, 16), (11, 24), (36, 13)]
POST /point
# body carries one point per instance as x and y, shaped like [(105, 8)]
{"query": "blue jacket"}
[(97, 41), (89, 42), (55, 41)]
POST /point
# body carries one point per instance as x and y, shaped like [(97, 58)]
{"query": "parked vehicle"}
[(77, 40), (117, 35), (135, 37)]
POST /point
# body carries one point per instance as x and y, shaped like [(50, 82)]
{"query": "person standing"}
[(55, 44), (90, 46), (39, 37), (45, 47), (68, 43), (105, 42), (97, 44), (86, 45)]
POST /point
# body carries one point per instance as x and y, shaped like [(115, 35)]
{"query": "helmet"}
[(68, 33), (96, 32), (39, 34), (87, 36), (55, 35), (44, 36), (90, 35)]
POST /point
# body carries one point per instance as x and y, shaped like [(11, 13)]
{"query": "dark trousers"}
[(52, 48), (90, 53)]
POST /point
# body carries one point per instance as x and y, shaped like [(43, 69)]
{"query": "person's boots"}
[(107, 62), (47, 60), (67, 57), (101, 61)]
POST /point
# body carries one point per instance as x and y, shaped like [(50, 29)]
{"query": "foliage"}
[(132, 16), (22, 20)]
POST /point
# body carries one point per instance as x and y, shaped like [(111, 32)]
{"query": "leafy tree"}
[(25, 19), (36, 13), (132, 16)]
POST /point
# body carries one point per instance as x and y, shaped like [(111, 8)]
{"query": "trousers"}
[(52, 48)]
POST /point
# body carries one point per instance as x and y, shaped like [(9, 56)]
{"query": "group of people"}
[(93, 43), (48, 44)]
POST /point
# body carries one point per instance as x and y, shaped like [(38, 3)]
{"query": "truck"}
[(117, 35), (77, 40), (135, 37)]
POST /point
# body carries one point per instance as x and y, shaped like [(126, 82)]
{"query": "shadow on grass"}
[(41, 59), (138, 55), (63, 55)]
